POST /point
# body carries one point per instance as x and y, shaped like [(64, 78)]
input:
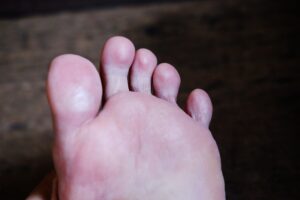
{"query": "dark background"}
[(244, 53), (20, 8)]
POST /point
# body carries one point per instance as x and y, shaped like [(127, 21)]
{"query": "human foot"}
[(130, 144)]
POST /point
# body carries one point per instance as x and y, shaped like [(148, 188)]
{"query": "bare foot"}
[(130, 144)]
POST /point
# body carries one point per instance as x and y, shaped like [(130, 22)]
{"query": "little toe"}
[(117, 57), (166, 82), (142, 69), (199, 106), (74, 92)]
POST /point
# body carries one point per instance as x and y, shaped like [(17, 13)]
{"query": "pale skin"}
[(121, 136)]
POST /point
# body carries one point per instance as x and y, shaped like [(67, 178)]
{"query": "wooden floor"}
[(244, 53)]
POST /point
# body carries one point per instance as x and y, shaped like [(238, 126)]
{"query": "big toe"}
[(117, 56), (199, 106), (74, 92)]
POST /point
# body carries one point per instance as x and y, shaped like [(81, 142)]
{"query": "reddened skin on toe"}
[(142, 69), (116, 58), (199, 106), (118, 52), (74, 91), (166, 82)]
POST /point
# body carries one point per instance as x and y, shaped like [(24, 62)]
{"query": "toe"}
[(74, 91), (199, 106), (166, 82), (142, 69), (117, 57)]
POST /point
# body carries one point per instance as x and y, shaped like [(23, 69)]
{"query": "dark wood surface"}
[(20, 8), (244, 53)]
